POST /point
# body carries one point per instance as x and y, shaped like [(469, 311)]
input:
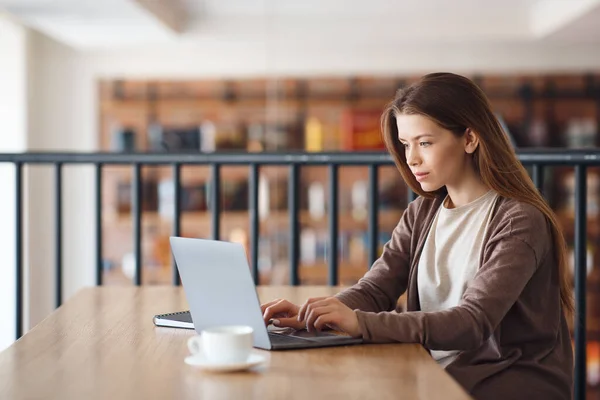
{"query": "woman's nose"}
[(412, 157)]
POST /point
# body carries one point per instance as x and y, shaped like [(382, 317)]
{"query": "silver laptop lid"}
[(218, 286)]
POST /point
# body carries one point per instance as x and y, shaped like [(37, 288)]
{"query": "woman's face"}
[(436, 156)]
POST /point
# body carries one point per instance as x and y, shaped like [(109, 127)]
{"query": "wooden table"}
[(101, 344)]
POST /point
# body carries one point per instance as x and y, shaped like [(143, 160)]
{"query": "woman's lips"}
[(421, 176)]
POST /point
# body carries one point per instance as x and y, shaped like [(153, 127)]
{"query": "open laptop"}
[(220, 291)]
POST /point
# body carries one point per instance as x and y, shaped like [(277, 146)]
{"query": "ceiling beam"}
[(550, 16), (170, 13)]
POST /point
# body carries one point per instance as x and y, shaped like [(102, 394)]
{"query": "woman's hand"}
[(318, 313), (283, 313)]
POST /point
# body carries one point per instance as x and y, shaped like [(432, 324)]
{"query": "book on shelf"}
[(361, 130)]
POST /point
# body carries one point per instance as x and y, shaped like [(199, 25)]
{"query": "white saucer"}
[(202, 363)]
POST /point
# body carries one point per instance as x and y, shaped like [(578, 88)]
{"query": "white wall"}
[(254, 58), (13, 125), (41, 109), (58, 122)]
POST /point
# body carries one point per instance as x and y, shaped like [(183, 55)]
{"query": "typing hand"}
[(283, 313), (318, 313)]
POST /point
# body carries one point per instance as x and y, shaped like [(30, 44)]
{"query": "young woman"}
[(479, 253)]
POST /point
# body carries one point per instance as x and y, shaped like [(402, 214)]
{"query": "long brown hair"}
[(455, 104)]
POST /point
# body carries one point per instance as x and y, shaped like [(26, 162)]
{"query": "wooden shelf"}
[(201, 221), (221, 104)]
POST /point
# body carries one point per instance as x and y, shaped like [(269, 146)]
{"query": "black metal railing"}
[(537, 159)]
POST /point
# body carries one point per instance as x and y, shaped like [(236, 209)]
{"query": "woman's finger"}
[(316, 304), (315, 313), (263, 307), (319, 303), (283, 306), (327, 320), (288, 323), (303, 309)]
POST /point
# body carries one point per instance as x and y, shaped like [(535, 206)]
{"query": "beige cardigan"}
[(510, 327)]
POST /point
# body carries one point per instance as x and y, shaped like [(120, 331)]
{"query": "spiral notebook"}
[(181, 319)]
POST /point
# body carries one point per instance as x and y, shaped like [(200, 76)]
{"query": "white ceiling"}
[(108, 24), (88, 23)]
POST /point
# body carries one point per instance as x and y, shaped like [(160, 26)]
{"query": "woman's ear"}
[(471, 141)]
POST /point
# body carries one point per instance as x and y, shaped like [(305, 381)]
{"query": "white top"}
[(450, 258)]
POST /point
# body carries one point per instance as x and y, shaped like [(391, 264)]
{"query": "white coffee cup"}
[(223, 344)]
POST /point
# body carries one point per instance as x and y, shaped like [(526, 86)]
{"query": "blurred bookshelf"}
[(314, 114)]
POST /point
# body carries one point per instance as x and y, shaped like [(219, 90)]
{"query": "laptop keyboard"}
[(285, 339)]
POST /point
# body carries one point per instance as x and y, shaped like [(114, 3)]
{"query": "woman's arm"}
[(387, 279), (513, 255)]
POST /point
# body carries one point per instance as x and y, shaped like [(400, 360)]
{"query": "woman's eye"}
[(424, 144)]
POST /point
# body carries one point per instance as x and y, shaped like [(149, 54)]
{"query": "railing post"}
[(137, 221), (215, 196), (333, 278), (294, 225), (19, 248), (99, 268), (58, 234), (373, 214), (580, 282), (176, 217), (538, 176), (254, 221)]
